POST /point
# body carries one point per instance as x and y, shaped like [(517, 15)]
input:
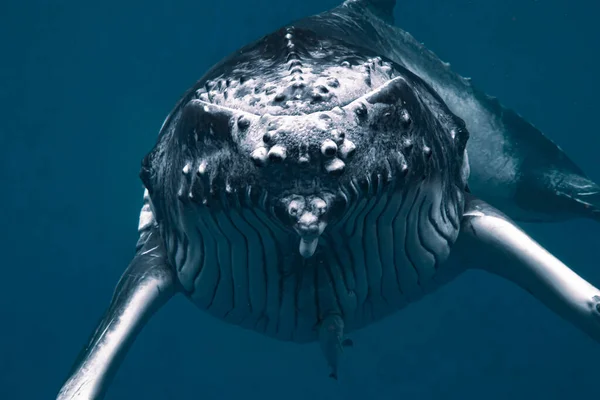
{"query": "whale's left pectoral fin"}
[(491, 241), (144, 287)]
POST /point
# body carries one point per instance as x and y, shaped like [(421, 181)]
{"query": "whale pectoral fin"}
[(147, 283), (566, 191), (576, 196), (491, 241)]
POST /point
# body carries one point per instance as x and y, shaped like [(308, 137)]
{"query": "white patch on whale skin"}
[(146, 214), (465, 171)]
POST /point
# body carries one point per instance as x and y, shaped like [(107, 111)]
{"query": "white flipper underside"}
[(147, 283), (491, 241)]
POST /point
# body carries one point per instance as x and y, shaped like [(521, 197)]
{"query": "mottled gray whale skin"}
[(307, 187), (513, 165)]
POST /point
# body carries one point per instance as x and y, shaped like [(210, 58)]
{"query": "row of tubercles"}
[(370, 66), (198, 187), (186, 191), (361, 112), (335, 151), (396, 162), (295, 65)]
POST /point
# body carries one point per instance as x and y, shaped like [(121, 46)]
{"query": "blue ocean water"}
[(84, 89)]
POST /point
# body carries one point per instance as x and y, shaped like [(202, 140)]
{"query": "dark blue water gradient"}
[(84, 88)]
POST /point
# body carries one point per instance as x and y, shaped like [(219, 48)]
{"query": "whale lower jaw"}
[(307, 247), (242, 264)]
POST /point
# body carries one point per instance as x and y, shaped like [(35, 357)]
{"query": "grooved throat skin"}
[(240, 266)]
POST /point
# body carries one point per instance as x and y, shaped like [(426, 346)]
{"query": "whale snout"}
[(309, 228), (308, 217), (309, 225)]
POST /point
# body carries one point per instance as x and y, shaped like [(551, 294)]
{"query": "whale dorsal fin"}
[(384, 9)]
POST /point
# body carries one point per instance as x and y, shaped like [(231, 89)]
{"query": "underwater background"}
[(84, 88)]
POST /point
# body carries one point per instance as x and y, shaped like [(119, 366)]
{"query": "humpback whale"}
[(326, 176)]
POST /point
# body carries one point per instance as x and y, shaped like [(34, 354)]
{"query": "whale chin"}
[(308, 247), (308, 216)]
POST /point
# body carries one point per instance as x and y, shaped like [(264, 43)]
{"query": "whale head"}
[(306, 171)]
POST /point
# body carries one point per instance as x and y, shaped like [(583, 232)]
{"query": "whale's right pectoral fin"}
[(145, 286), (491, 241)]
